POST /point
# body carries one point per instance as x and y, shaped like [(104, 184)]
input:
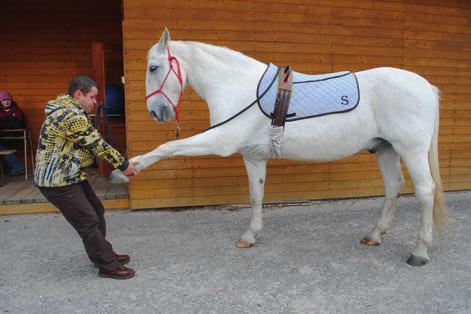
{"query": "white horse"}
[(397, 108)]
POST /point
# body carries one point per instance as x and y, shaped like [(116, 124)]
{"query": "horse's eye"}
[(153, 68)]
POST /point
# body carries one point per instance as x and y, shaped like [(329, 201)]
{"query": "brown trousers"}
[(85, 212)]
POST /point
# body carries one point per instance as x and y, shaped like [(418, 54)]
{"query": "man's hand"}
[(129, 172), (136, 163)]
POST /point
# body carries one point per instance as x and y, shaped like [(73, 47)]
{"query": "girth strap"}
[(285, 85)]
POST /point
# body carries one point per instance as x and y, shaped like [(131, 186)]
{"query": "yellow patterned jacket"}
[(67, 145)]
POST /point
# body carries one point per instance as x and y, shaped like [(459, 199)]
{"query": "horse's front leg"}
[(256, 171), (207, 143)]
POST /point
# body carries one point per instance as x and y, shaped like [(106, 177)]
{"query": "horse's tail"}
[(440, 212)]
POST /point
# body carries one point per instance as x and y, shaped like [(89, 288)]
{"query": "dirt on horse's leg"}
[(256, 170)]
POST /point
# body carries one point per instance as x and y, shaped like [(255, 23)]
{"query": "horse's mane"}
[(223, 54)]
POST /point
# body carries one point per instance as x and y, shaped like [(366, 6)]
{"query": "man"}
[(67, 145)]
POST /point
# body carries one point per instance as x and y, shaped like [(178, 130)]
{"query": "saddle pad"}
[(311, 95)]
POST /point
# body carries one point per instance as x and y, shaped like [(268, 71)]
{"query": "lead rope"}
[(246, 108)]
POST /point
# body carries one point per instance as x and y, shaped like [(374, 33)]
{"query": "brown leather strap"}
[(285, 82)]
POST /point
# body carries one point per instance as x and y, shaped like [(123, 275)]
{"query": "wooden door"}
[(99, 52)]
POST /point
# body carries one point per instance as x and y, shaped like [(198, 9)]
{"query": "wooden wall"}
[(432, 38), (45, 43)]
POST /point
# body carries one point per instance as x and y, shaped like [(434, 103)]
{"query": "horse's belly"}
[(324, 149), (330, 137)]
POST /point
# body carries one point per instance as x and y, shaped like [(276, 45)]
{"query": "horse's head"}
[(164, 81)]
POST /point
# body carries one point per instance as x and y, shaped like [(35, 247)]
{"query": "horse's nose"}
[(153, 114)]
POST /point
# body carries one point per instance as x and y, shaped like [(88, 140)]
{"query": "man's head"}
[(5, 99), (84, 90)]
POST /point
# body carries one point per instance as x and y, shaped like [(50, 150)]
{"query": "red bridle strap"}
[(178, 73)]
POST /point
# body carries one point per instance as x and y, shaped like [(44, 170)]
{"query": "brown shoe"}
[(122, 258), (122, 272)]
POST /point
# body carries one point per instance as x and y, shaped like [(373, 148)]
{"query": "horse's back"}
[(398, 79), (401, 89)]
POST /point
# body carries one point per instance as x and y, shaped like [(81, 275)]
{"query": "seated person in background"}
[(11, 117)]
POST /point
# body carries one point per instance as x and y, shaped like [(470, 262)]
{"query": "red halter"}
[(178, 73)]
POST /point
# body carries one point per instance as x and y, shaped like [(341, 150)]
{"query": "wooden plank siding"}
[(432, 38), (45, 43)]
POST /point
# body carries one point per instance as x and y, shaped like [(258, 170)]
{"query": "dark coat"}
[(12, 118)]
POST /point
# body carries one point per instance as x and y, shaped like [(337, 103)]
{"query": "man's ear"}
[(77, 94), (164, 40)]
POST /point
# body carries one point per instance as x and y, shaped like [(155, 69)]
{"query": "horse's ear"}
[(164, 40)]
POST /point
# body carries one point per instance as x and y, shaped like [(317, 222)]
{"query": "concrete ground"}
[(308, 260)]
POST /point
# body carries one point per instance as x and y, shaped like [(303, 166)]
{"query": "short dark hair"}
[(83, 83)]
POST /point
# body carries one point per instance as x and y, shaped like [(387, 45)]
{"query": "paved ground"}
[(309, 260)]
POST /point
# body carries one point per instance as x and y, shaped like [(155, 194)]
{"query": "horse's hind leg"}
[(389, 164), (419, 170), (256, 170)]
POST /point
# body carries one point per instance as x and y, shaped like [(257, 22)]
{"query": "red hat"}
[(5, 95)]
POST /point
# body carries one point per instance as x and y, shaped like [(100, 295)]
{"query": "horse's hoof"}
[(369, 242), (242, 244), (417, 261)]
